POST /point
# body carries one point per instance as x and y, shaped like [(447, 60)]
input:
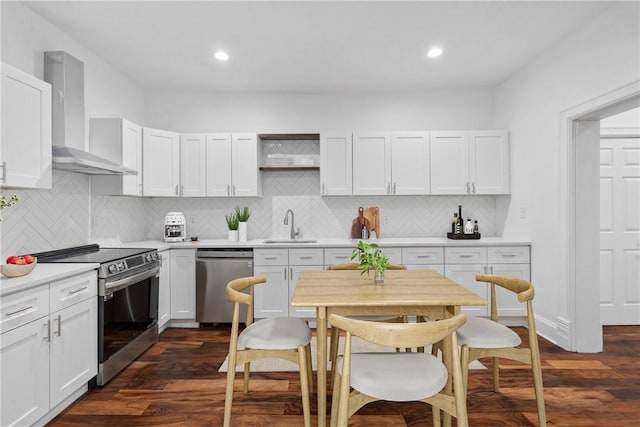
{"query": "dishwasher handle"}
[(224, 253)]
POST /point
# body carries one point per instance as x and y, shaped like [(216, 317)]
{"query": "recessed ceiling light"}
[(221, 55), (434, 52)]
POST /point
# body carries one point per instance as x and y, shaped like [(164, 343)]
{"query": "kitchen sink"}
[(290, 241)]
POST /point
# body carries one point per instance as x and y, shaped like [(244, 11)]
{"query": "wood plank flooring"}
[(176, 383)]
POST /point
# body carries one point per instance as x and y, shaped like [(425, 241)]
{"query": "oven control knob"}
[(113, 268), (154, 256), (148, 257), (121, 266)]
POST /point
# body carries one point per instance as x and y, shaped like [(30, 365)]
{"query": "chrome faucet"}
[(294, 233)]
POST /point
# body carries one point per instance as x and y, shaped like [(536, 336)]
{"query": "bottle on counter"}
[(476, 230), (454, 223), (365, 232), (468, 227), (460, 221)]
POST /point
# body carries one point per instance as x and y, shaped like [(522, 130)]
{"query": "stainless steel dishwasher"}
[(214, 269)]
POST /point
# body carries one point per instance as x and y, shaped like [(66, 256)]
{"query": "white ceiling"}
[(321, 46)]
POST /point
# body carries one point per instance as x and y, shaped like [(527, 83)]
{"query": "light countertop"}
[(42, 274)]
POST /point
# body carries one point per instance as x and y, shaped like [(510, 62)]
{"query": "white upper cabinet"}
[(192, 166), (475, 162), (25, 158), (232, 165), (371, 164), (410, 163), (118, 140), (489, 162), (160, 162), (336, 175), (396, 163)]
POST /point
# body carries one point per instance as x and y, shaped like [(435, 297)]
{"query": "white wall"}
[(595, 60), (47, 219), (627, 119)]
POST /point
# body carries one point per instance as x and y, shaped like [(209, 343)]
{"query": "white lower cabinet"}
[(431, 258), (183, 283), (164, 293), (49, 348)]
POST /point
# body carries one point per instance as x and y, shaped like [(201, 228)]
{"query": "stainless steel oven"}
[(128, 280)]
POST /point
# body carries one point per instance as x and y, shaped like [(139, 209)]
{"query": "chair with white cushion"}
[(398, 377), (286, 338), (481, 337)]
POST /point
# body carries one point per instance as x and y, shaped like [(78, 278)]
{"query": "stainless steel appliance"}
[(128, 282), (175, 227), (214, 269)]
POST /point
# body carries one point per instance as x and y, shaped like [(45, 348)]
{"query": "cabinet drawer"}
[(337, 255), (426, 256), (394, 254), (70, 291), (508, 255), (465, 255), (271, 257), (302, 256), (23, 307)]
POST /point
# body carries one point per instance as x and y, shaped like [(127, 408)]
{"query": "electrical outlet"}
[(193, 219), (387, 220), (523, 212)]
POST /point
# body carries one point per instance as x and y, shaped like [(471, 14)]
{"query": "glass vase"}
[(378, 278)]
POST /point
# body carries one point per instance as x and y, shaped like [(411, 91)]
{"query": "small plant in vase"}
[(232, 226), (243, 215), (371, 258)]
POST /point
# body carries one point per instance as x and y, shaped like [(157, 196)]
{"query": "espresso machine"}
[(175, 227)]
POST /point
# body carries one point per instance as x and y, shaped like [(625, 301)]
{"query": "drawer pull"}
[(342, 257), (19, 310), (466, 256), (306, 257), (78, 290), (423, 256), (271, 257), (508, 255)]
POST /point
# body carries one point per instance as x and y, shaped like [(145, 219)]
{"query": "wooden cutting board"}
[(358, 222), (372, 214)]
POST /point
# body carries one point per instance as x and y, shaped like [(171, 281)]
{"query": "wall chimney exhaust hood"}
[(66, 75)]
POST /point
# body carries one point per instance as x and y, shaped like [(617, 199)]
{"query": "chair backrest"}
[(236, 295), (354, 266), (524, 290), (399, 334)]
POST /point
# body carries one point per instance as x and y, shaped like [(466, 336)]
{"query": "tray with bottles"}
[(463, 236)]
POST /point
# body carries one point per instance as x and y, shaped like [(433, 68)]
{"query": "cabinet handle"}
[(423, 256), (388, 188), (508, 255), (468, 188), (342, 257), (48, 325), (270, 257), (473, 187), (20, 310), (4, 171), (491, 269), (322, 188), (394, 187), (77, 290), (234, 189), (285, 273), (290, 273), (59, 325), (306, 257), (181, 190), (484, 269), (465, 256), (177, 190), (228, 190)]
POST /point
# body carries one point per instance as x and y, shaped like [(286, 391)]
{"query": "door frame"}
[(577, 328)]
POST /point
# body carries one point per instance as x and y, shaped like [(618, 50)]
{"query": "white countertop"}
[(323, 243), (42, 274)]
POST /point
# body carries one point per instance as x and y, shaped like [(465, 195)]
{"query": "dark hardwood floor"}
[(176, 383)]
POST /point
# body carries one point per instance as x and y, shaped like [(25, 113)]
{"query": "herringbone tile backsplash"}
[(68, 215)]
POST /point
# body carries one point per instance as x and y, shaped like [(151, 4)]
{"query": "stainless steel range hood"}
[(66, 75)]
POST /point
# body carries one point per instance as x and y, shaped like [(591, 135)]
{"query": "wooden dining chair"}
[(285, 338), (398, 377), (335, 336), (481, 337)]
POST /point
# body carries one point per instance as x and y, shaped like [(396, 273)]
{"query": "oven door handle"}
[(127, 281)]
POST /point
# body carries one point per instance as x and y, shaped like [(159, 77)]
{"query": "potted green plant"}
[(243, 215), (232, 226), (371, 258)]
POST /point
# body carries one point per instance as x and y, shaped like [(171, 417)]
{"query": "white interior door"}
[(620, 231)]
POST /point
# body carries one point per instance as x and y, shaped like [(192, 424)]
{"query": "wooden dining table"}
[(348, 293)]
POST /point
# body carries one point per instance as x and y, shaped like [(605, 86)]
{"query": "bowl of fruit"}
[(17, 266)]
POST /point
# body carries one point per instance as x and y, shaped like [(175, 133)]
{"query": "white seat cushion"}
[(479, 332), (398, 377), (280, 333)]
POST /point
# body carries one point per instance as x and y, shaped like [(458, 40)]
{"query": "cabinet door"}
[(336, 168), (192, 166), (132, 158), (337, 255), (371, 164), (26, 130), (449, 162), (465, 275), (294, 273), (410, 163), (218, 164), (244, 165), (489, 162), (24, 374), (507, 301), (183, 283), (271, 299), (161, 162), (164, 294), (74, 349)]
